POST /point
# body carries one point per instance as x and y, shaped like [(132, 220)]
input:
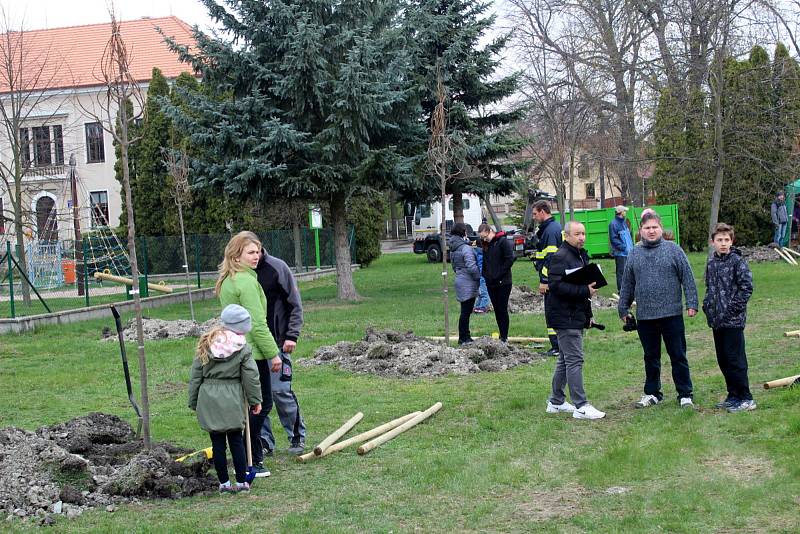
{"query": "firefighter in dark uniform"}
[(549, 238)]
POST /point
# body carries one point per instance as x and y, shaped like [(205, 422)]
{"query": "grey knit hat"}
[(236, 318)]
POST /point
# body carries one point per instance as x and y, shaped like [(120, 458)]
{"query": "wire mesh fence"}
[(54, 276)]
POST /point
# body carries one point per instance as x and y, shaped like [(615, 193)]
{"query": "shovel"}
[(131, 398)]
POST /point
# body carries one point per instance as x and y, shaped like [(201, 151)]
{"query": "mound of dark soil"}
[(88, 462), (523, 299), (404, 355)]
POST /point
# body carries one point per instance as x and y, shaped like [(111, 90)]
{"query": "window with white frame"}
[(95, 149), (590, 191), (98, 201)]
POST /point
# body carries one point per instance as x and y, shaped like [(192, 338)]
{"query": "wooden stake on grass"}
[(783, 382), (510, 339), (788, 259), (792, 251), (792, 333), (364, 436), (411, 423), (788, 256), (341, 431)]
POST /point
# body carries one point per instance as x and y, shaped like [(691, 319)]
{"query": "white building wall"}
[(72, 110)]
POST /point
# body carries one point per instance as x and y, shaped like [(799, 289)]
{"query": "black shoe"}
[(727, 403), (466, 341), (265, 447), (551, 352)]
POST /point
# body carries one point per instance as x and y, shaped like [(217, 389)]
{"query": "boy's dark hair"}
[(651, 216), (542, 205), (459, 229), (484, 228), (722, 228)]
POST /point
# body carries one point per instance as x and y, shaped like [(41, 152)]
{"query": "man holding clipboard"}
[(573, 282)]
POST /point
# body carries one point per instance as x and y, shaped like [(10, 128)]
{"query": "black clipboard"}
[(583, 276)]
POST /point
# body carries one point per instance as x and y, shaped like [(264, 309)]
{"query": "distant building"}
[(63, 70)]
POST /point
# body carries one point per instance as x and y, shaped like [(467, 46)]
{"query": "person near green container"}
[(238, 284), (224, 376), (619, 235)]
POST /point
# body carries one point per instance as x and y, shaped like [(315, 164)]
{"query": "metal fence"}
[(60, 275)]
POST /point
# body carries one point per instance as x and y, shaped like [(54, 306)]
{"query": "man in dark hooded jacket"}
[(284, 319), (729, 285)]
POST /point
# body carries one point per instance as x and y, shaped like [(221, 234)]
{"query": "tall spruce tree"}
[(302, 100), (447, 34)]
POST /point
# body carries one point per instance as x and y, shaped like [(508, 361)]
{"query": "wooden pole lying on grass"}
[(128, 282), (792, 251), (510, 339), (786, 257), (785, 252), (792, 333), (341, 431), (364, 436), (411, 423), (783, 382)]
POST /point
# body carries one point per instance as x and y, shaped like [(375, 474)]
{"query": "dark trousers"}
[(236, 444), (671, 330), (463, 320), (499, 297), (257, 421), (619, 262), (551, 332), (729, 344)]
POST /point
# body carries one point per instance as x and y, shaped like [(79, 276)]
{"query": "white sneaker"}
[(647, 400), (686, 402), (565, 407), (587, 411)]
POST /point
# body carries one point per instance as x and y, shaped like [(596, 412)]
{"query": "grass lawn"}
[(491, 459)]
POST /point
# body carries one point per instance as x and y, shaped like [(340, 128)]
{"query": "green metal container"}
[(596, 222)]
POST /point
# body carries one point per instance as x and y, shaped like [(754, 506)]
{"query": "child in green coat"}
[(223, 374)]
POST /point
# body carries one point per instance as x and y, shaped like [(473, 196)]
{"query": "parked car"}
[(430, 245)]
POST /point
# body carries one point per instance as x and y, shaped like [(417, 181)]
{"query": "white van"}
[(428, 216)]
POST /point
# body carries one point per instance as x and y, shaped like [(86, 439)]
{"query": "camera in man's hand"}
[(630, 323)]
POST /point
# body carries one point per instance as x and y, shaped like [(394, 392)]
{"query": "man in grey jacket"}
[(284, 319), (780, 217), (655, 273)]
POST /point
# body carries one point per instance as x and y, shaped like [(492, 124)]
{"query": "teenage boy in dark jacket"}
[(569, 313), (284, 319), (498, 258), (729, 285), (548, 239)]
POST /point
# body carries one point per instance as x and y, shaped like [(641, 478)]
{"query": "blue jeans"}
[(780, 231), (483, 296)]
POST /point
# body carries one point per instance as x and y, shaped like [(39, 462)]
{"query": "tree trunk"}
[(185, 260), (394, 215), (137, 304), (571, 172), (602, 182), (443, 245), (458, 205), (492, 214), (298, 247), (719, 146), (21, 254), (345, 289), (631, 182)]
